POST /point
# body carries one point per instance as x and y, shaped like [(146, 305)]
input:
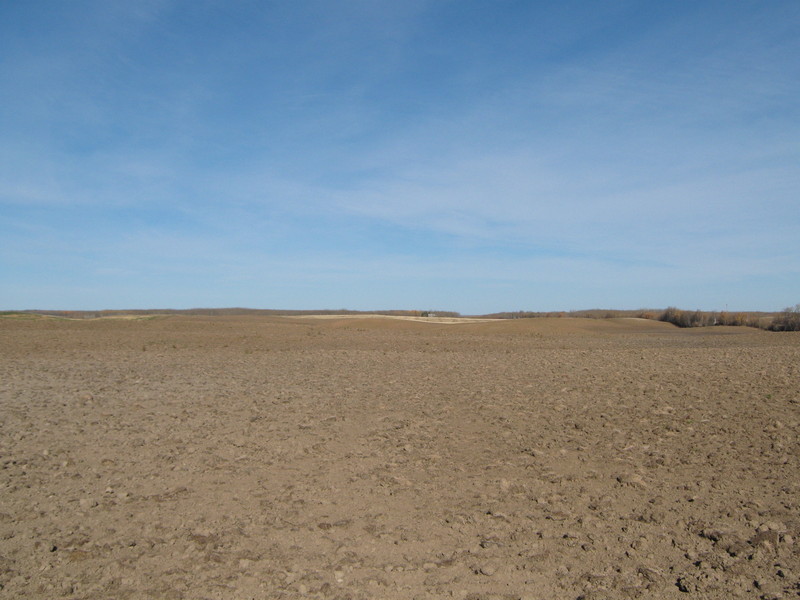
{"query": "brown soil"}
[(191, 457)]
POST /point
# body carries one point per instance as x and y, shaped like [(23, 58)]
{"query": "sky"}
[(473, 156)]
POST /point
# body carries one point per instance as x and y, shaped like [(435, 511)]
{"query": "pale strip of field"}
[(446, 320), (32, 316)]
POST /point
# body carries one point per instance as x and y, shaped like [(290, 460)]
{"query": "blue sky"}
[(367, 154)]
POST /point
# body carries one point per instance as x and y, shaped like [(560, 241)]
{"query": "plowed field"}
[(260, 457)]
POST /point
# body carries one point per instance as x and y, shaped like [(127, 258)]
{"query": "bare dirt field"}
[(266, 457)]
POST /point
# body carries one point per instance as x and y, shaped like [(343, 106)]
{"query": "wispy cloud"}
[(435, 151)]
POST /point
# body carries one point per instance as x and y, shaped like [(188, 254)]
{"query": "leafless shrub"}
[(688, 318), (788, 320), (698, 318)]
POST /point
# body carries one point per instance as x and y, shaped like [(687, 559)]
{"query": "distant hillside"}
[(224, 312), (787, 320)]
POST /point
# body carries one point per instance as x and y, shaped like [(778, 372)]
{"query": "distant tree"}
[(788, 320)]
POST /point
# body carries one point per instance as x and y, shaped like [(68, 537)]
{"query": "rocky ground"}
[(238, 458)]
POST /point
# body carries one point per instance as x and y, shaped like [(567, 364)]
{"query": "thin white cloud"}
[(638, 159)]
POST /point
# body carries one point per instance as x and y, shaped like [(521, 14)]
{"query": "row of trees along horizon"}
[(786, 320)]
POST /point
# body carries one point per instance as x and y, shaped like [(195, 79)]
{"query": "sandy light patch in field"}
[(271, 457), (447, 320)]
